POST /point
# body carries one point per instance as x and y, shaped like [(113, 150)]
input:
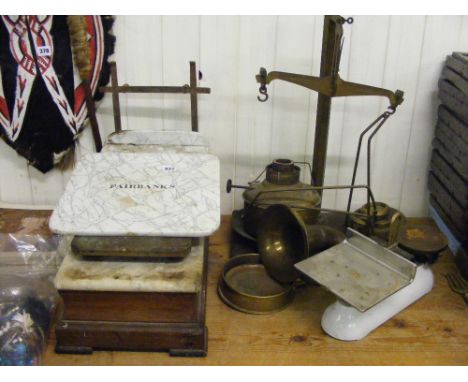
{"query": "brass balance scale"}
[(283, 228)]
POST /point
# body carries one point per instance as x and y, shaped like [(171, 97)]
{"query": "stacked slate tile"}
[(448, 177)]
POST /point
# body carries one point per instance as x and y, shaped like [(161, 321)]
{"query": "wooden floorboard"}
[(433, 331)]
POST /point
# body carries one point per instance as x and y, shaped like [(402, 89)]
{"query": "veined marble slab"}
[(76, 273), (162, 138), (154, 194), (131, 148)]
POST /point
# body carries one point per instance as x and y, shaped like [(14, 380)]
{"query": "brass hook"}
[(263, 90)]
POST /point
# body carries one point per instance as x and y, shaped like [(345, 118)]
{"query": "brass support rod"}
[(321, 209), (332, 34), (370, 219)]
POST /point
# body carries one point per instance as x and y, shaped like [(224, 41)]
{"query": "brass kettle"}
[(280, 186)]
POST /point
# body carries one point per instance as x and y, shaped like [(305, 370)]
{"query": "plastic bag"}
[(28, 264)]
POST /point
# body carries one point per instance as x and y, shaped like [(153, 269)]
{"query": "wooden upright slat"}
[(115, 98), (193, 96)]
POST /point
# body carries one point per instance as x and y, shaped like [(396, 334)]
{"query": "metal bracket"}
[(193, 90)]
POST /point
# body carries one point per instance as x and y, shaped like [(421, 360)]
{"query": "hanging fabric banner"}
[(42, 100)]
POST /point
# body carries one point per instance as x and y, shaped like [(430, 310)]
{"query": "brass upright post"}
[(332, 33)]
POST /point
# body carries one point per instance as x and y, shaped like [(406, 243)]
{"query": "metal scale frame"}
[(138, 321)]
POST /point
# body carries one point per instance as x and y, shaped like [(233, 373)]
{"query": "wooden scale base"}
[(134, 318), (134, 321)]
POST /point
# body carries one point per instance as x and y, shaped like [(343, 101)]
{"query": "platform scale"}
[(372, 283), (136, 219)]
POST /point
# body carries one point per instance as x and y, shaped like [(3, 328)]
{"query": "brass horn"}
[(284, 239)]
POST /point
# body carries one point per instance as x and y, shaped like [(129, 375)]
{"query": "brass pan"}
[(246, 286)]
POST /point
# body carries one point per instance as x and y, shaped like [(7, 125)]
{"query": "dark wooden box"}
[(134, 321)]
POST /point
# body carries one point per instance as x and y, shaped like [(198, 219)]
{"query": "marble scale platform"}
[(184, 140), (158, 194), (162, 184)]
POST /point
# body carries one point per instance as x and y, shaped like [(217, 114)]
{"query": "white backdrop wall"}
[(396, 52)]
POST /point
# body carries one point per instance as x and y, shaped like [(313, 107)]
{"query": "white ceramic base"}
[(346, 323)]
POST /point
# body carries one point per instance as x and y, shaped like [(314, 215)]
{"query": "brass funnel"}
[(284, 240)]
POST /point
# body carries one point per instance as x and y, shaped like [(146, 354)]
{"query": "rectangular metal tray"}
[(132, 246), (359, 271)]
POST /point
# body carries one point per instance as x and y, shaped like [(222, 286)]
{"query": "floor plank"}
[(433, 331)]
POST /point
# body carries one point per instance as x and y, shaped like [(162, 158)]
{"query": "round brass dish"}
[(246, 286), (423, 240), (284, 240)]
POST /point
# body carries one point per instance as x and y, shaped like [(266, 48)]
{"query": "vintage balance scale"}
[(138, 216), (371, 259)]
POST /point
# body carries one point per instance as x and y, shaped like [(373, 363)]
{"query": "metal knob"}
[(230, 186)]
